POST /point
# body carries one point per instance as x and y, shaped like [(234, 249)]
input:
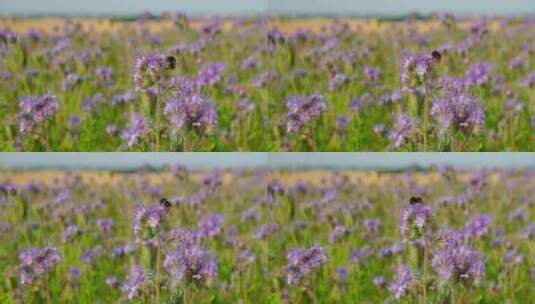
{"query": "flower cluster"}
[(403, 281), (403, 128), (151, 67), (302, 110), (417, 215), (35, 262), (421, 64), (302, 261), (191, 109), (147, 216), (134, 284), (134, 130), (36, 109), (191, 261), (456, 261), (210, 73), (458, 109)]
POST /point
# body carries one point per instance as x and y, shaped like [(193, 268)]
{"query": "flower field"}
[(229, 236), (178, 83)]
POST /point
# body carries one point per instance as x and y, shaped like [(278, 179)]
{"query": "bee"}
[(416, 200), (166, 204), (436, 56), (170, 63)]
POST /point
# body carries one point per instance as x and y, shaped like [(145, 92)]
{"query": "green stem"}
[(426, 114)]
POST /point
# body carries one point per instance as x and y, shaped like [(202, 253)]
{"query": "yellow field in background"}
[(285, 177), (283, 24)]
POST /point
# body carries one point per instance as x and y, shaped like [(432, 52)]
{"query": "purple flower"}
[(245, 256), (210, 73), (150, 67), (249, 63), (91, 254), (379, 281), (478, 225), (105, 225), (302, 110), (70, 81), (414, 215), (211, 225), (359, 254), (74, 121), (190, 261), (266, 230), (147, 216), (372, 73), (372, 225), (135, 282), (123, 98), (456, 261), (420, 63), (403, 128), (337, 81), (134, 129), (192, 110), (529, 231), (111, 281), (35, 262), (264, 78), (342, 273), (36, 109), (478, 73), (359, 102), (342, 121), (302, 261), (74, 274), (104, 73), (458, 109), (403, 281), (338, 232), (529, 80), (70, 232), (518, 62)]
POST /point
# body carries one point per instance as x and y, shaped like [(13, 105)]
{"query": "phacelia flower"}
[(36, 109), (415, 214), (71, 80), (456, 261), (302, 110), (134, 284), (134, 130), (147, 216), (150, 67), (192, 262), (191, 110), (403, 281), (211, 225), (403, 128), (35, 262), (478, 225), (529, 80), (478, 73), (458, 109), (302, 261), (421, 64), (210, 73)]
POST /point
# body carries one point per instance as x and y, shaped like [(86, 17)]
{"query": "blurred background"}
[(255, 7), (361, 161)]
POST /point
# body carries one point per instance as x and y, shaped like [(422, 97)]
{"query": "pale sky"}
[(240, 7), (265, 160)]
